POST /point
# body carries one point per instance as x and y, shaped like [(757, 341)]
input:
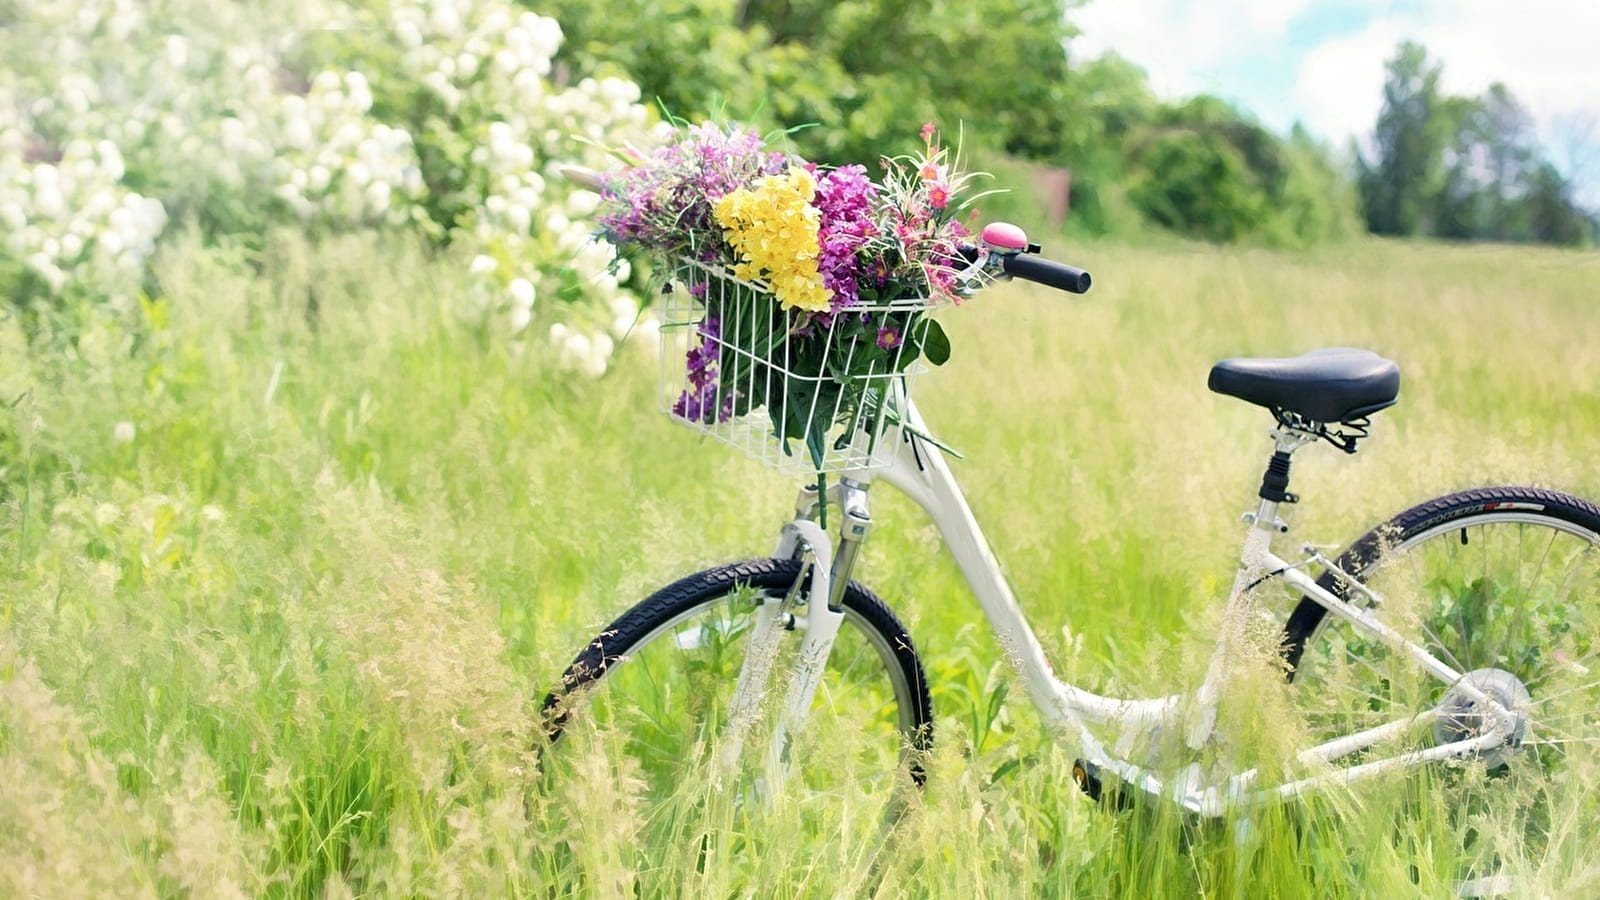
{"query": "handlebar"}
[(1010, 251), (1047, 272)]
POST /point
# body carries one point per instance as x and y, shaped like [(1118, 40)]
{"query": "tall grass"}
[(289, 637)]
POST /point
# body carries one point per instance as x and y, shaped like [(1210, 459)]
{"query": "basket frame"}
[(739, 368)]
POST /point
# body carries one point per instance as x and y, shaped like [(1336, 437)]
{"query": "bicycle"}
[(1451, 625)]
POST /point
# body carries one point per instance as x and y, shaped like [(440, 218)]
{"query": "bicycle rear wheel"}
[(1503, 585), (656, 685)]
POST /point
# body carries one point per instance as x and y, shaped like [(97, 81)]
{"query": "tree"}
[(1399, 183), (1554, 217), (1465, 168), (870, 71)]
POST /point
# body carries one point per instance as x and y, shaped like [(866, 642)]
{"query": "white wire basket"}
[(820, 398)]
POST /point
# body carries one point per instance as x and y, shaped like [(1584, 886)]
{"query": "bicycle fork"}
[(829, 573)]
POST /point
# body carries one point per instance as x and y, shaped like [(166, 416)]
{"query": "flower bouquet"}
[(792, 288)]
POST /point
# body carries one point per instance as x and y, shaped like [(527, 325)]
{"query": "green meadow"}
[(289, 557)]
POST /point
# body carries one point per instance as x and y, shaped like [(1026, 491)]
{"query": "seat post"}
[(1275, 480)]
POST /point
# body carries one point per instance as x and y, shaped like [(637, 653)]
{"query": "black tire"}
[(656, 679), (1504, 578)]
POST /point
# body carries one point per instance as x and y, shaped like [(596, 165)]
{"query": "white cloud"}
[(1178, 42), (1340, 84), (1546, 51)]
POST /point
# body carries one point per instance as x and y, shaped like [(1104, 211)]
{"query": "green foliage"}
[(870, 71), (1206, 170), (1198, 177)]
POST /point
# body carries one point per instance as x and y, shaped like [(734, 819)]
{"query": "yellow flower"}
[(772, 228)]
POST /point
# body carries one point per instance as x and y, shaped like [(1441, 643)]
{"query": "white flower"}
[(177, 51), (111, 243), (522, 293), (297, 133), (123, 432), (575, 349), (483, 264), (325, 82), (520, 218), (583, 203), (520, 317), (528, 85), (47, 200), (110, 160), (408, 33), (594, 365), (377, 197), (12, 216), (444, 20)]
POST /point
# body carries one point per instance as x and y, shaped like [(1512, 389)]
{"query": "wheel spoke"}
[(1510, 597), (674, 662)]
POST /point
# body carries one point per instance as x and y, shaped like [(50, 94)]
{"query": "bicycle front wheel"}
[(657, 685), (1503, 586)]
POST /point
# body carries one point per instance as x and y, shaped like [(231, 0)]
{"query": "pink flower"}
[(938, 195), (929, 171), (927, 133)]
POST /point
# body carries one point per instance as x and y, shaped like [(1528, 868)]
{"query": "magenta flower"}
[(888, 337)]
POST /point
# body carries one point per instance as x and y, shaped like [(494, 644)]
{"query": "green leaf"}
[(935, 346)]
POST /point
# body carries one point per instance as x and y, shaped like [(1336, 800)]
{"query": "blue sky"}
[(1320, 62)]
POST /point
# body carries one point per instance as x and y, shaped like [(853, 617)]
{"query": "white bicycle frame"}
[(918, 469)]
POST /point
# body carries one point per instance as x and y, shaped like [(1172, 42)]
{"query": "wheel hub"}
[(1461, 718)]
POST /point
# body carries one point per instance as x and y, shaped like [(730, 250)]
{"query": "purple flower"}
[(663, 205), (699, 402), (844, 198), (888, 337), (700, 406)]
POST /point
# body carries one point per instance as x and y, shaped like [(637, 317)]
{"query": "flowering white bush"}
[(334, 162), (485, 63), (72, 221), (118, 116)]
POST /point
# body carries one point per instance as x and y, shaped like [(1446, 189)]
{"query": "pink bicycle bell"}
[(1004, 237)]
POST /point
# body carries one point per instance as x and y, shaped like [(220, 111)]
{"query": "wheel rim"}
[(663, 708)]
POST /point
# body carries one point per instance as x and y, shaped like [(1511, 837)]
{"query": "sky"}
[(1320, 62)]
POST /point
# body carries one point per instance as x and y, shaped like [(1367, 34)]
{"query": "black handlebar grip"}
[(1049, 273)]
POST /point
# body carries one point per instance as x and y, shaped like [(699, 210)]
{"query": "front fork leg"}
[(829, 577)]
